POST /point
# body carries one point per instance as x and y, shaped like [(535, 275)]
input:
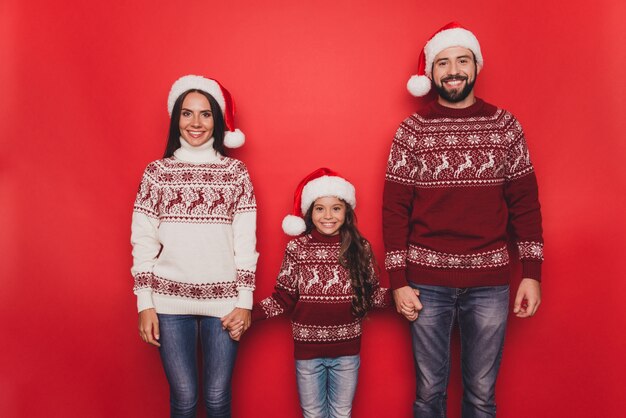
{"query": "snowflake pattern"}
[(509, 136), (494, 138), (220, 290), (451, 140), (530, 250), (429, 141), (271, 307), (321, 253), (473, 139), (329, 333), (395, 260), (245, 279), (425, 257)]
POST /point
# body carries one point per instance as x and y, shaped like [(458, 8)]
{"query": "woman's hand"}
[(237, 322), (149, 326)]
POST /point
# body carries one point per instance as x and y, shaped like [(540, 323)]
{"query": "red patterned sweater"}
[(194, 234), (456, 180), (316, 291)]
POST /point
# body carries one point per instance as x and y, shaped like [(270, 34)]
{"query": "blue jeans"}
[(326, 385), (179, 342), (481, 313)]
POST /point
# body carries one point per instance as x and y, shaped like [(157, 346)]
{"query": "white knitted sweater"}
[(194, 234)]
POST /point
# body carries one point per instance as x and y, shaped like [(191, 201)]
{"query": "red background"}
[(83, 110)]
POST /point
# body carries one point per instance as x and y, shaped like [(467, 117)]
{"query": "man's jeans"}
[(326, 386), (481, 313), (179, 342)]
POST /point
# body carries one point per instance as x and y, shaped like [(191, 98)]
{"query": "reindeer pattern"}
[(482, 150), (174, 190), (324, 280), (450, 162)]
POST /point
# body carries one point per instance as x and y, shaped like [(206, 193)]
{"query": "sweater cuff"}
[(244, 299), (397, 279), (144, 300), (531, 270)]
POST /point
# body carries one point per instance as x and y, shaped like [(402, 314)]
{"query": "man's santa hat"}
[(323, 182), (233, 138), (452, 34)]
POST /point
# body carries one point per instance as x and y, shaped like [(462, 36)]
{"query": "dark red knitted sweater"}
[(316, 291), (456, 180)]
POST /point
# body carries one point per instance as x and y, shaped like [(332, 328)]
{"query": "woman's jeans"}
[(481, 313), (179, 342), (326, 385)]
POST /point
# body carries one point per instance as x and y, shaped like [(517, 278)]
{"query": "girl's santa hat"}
[(322, 182), (452, 34), (233, 138)]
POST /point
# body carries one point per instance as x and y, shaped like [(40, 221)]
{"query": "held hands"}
[(527, 299), (237, 322), (149, 327), (407, 302)]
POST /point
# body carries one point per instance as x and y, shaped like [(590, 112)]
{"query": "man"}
[(458, 178)]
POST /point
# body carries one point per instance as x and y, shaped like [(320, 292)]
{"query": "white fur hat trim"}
[(194, 82), (450, 38), (327, 186)]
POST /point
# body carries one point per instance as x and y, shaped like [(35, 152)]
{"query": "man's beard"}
[(456, 95)]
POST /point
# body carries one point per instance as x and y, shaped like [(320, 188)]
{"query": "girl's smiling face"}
[(328, 215)]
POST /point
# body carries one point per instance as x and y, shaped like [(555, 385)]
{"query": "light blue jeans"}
[(481, 313), (326, 385), (179, 342)]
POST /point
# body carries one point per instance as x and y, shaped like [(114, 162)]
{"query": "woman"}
[(194, 246)]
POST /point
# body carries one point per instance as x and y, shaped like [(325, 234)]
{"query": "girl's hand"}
[(149, 327), (236, 331)]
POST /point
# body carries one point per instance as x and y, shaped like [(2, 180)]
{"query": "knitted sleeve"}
[(521, 194), (381, 296), (244, 238), (285, 295), (144, 238), (398, 198)]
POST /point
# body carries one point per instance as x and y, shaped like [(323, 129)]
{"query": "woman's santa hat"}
[(233, 138), (452, 34), (323, 182)]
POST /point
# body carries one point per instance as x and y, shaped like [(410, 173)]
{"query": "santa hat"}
[(452, 34), (320, 183), (233, 138)]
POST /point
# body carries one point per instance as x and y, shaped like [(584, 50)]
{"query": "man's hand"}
[(527, 299), (237, 322), (407, 302), (149, 327)]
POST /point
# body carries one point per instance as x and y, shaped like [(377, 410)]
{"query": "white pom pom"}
[(234, 139), (293, 225), (418, 85)]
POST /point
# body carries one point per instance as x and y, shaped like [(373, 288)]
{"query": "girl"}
[(194, 246), (327, 283)]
